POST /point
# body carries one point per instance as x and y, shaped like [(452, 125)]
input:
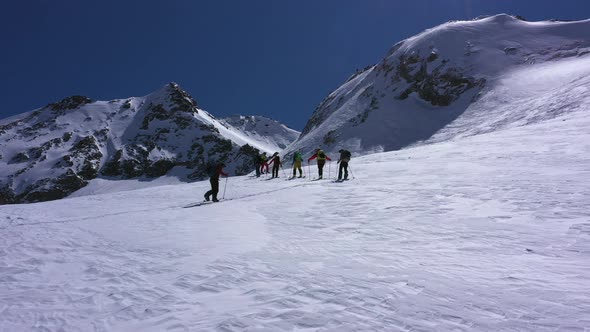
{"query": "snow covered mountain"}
[(55, 150), (447, 79), (269, 134)]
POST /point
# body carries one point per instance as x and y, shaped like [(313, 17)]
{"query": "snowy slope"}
[(524, 96), (270, 135), (259, 132), (458, 72), (486, 232), (56, 150)]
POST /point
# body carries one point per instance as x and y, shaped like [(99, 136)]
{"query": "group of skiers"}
[(319, 154), (263, 163)]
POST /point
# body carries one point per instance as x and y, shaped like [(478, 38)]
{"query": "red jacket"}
[(315, 155)]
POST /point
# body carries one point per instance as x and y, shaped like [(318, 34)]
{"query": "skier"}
[(258, 164), (263, 163), (343, 161), (260, 160), (297, 160), (214, 180), (321, 156), (276, 159)]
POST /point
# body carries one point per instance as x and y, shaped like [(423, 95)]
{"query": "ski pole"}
[(284, 174), (308, 171), (351, 173), (224, 187), (330, 170)]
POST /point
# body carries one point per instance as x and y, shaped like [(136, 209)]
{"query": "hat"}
[(340, 150)]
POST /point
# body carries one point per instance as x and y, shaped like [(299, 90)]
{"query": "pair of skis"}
[(206, 203), (332, 180), (340, 180)]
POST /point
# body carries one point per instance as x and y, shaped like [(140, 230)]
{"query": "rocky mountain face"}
[(55, 150), (426, 82)]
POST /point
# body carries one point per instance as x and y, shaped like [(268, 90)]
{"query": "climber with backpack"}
[(214, 173), (276, 159), (259, 161), (297, 160), (263, 163), (321, 156), (343, 161)]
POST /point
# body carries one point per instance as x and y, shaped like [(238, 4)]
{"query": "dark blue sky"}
[(262, 57)]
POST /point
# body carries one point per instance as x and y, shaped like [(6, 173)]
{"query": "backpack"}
[(321, 155), (345, 156), (297, 157), (211, 170)]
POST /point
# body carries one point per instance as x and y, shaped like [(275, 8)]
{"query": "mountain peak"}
[(174, 96), (169, 89), (173, 87), (502, 19)]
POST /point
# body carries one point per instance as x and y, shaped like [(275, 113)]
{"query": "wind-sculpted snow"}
[(430, 81), (485, 232)]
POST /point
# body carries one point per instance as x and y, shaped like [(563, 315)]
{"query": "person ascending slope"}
[(297, 160), (263, 163), (343, 161), (276, 161), (214, 174), (258, 164), (321, 156)]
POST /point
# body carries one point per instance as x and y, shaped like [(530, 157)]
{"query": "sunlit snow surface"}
[(482, 233)]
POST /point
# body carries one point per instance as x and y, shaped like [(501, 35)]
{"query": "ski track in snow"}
[(483, 233)]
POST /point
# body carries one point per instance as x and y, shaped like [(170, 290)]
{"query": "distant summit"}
[(274, 135)]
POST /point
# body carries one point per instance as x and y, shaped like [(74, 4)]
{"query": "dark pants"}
[(275, 171), (214, 189), (258, 166), (343, 166), (321, 164)]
